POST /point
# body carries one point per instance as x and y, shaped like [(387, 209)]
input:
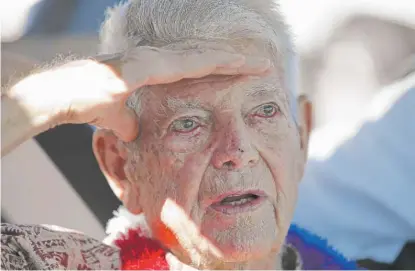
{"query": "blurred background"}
[(349, 52)]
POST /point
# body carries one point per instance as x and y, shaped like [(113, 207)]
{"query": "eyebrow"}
[(176, 104), (263, 89)]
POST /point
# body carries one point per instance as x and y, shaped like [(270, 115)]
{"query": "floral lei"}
[(140, 252)]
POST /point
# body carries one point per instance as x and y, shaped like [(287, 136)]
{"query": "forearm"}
[(20, 118)]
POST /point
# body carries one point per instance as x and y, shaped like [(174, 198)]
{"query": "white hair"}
[(160, 23)]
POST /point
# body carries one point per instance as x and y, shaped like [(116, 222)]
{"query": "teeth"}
[(238, 202)]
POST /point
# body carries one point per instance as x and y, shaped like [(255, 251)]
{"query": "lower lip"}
[(237, 209)]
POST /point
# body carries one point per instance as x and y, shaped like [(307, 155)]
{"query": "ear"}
[(305, 124), (112, 156)]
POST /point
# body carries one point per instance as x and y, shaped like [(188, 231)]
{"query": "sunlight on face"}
[(187, 233), (224, 155)]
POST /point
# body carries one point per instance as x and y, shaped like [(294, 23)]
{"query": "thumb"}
[(125, 124)]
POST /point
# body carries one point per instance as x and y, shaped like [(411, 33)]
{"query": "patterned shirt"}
[(41, 247), (44, 247)]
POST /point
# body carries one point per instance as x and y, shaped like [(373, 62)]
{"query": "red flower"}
[(141, 253)]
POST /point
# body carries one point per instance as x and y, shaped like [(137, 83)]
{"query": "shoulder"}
[(52, 247)]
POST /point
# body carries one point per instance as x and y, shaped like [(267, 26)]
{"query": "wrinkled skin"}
[(202, 138)]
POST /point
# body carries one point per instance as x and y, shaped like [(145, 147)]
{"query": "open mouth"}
[(238, 202)]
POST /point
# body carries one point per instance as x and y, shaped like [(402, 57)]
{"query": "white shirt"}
[(359, 186)]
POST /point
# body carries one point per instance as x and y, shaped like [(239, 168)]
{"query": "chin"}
[(244, 237), (238, 252)]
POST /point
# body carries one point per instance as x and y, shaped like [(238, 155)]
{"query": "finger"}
[(215, 62), (116, 86), (252, 66), (114, 61), (164, 67), (124, 124), (150, 67), (202, 64), (107, 77), (213, 58), (197, 64), (212, 46), (218, 55)]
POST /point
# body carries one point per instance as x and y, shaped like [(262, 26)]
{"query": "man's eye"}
[(184, 125), (267, 111)]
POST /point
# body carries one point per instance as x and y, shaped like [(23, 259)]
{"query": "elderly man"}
[(209, 151)]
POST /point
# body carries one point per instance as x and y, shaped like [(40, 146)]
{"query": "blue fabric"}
[(89, 16), (359, 191), (315, 252)]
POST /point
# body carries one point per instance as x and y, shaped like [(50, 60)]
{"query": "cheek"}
[(279, 145), (150, 175), (272, 134), (187, 142), (164, 174), (188, 170)]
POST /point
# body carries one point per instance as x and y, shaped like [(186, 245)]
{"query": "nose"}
[(234, 149)]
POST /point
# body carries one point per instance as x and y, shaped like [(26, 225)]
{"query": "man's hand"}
[(88, 91)]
